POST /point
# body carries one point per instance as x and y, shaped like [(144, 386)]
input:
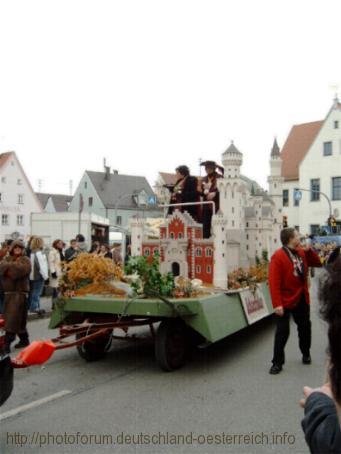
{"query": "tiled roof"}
[(60, 201), (4, 157), (118, 189), (296, 146)]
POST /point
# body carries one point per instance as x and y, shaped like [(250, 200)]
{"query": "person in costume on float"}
[(288, 281), (210, 193), (15, 271), (322, 406), (185, 190)]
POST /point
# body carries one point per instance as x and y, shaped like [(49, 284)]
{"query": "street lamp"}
[(298, 196)]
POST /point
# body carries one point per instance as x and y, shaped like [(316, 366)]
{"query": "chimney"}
[(107, 173)]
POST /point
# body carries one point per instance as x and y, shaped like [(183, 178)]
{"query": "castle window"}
[(247, 247), (247, 224), (198, 252), (147, 252), (232, 209), (336, 125), (208, 252), (232, 195), (208, 269), (232, 223), (180, 236), (198, 269), (171, 235), (247, 236)]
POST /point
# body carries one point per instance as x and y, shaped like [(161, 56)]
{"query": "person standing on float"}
[(210, 193)]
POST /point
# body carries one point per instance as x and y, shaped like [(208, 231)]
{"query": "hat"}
[(214, 165), (16, 243)]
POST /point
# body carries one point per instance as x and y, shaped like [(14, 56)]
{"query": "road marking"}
[(34, 404)]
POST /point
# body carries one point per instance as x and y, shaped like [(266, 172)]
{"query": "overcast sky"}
[(152, 84)]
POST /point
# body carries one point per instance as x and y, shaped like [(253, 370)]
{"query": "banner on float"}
[(254, 304)]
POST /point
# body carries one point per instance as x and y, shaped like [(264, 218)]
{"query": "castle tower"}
[(219, 223), (275, 181), (232, 160), (137, 232), (230, 188)]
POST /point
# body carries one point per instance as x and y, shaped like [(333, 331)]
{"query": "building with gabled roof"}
[(54, 203), (311, 159), (115, 196), (17, 199)]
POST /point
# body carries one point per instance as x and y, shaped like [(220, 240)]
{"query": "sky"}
[(153, 84)]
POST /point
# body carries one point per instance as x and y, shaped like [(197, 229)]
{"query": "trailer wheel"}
[(171, 346), (94, 349)]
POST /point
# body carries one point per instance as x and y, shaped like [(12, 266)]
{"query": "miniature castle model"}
[(249, 222)]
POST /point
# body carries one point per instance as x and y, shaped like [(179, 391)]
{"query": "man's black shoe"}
[(21, 344), (306, 359), (275, 369)]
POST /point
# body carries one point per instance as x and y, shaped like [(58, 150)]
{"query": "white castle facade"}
[(248, 223)]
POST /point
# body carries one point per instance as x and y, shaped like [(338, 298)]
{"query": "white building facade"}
[(17, 199), (318, 173)]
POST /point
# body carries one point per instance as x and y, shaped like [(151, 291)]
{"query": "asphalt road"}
[(224, 390)]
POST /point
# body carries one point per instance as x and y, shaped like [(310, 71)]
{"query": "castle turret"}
[(275, 181), (137, 232), (219, 224), (232, 160)]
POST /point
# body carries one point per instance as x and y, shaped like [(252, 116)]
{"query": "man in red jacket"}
[(288, 280)]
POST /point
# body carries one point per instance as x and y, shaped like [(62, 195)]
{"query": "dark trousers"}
[(301, 316), (10, 337)]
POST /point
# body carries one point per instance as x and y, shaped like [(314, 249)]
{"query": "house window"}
[(156, 251), (336, 188), (4, 219), (19, 181), (296, 202), (336, 125), (198, 269), (198, 252), (327, 148), (315, 189), (118, 220), (3, 179), (20, 219), (208, 252), (314, 229), (208, 269), (147, 252), (20, 199), (85, 184), (180, 236), (90, 201), (285, 197), (171, 235), (0, 197), (297, 227)]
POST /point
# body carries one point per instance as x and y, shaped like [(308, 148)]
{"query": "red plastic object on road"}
[(37, 353)]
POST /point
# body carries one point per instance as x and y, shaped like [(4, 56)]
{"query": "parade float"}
[(186, 289)]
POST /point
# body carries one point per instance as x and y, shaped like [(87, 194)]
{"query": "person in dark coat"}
[(72, 252), (322, 406), (210, 193), (14, 274), (185, 190), (288, 281)]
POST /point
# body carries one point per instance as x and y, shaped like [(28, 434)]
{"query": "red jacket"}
[(285, 288)]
